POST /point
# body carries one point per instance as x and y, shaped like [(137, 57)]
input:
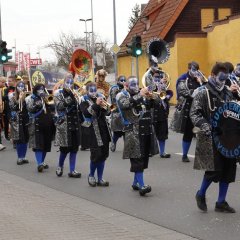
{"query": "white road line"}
[(189, 155)]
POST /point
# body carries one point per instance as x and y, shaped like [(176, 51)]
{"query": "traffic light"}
[(135, 47), (4, 57), (138, 46)]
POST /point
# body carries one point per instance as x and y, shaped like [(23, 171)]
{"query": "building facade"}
[(203, 31)]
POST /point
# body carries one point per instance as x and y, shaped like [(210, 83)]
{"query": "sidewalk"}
[(32, 211)]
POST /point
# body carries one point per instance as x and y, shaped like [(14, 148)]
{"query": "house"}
[(203, 31)]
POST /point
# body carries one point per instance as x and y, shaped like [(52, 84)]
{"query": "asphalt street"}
[(171, 203)]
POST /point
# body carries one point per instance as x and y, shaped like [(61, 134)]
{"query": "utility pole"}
[(115, 38), (1, 65), (92, 40)]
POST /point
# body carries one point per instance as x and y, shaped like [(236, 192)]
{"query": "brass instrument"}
[(49, 98), (22, 96), (202, 77), (157, 49), (107, 106)]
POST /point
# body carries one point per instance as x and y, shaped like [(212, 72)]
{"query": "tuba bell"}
[(159, 52), (159, 49)]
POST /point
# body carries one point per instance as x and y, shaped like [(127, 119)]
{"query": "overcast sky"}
[(33, 23)]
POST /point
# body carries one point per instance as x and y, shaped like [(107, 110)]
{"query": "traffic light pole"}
[(1, 65), (137, 70)]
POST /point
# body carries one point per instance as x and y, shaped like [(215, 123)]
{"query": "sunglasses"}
[(122, 80)]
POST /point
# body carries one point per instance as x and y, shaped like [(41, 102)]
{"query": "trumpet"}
[(106, 105)]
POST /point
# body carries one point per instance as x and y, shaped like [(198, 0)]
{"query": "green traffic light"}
[(3, 58), (138, 52)]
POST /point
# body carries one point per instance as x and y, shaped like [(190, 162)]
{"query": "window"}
[(207, 17), (223, 12)]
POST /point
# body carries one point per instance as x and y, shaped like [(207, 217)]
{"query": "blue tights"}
[(21, 150)]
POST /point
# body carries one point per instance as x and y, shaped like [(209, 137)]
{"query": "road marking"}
[(189, 155)]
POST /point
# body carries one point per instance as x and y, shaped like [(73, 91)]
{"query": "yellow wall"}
[(222, 44)]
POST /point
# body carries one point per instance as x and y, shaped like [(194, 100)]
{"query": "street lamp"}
[(85, 20)]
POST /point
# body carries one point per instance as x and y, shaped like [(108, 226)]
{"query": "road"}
[(171, 203)]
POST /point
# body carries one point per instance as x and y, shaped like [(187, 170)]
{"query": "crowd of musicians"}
[(71, 118)]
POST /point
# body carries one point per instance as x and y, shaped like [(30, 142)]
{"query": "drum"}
[(226, 129)]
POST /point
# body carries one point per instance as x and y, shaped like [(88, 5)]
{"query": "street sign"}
[(79, 44), (35, 62), (115, 48)]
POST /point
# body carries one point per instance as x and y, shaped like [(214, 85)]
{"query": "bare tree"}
[(135, 16), (63, 49)]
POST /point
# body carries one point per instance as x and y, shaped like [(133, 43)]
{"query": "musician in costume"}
[(6, 113), (218, 168), (116, 121), (94, 111), (41, 126), (102, 85), (161, 110), (139, 140), (2, 87), (67, 125), (187, 87), (19, 121), (233, 81)]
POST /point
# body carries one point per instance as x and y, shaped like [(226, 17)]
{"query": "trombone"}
[(201, 76), (49, 98), (22, 96)]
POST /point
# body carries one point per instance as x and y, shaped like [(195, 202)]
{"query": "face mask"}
[(122, 80), (220, 81), (237, 71), (193, 72), (101, 78), (68, 83), (133, 85), (20, 87), (41, 92), (92, 91)]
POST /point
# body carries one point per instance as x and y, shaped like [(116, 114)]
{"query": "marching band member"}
[(233, 81), (94, 112), (67, 126), (19, 120), (41, 125), (116, 122), (217, 167), (11, 82), (161, 111), (139, 141), (102, 85), (187, 86), (2, 85)]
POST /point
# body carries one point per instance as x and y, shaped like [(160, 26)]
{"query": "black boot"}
[(224, 207), (20, 161), (145, 189), (201, 202), (74, 174), (59, 171), (25, 161), (165, 155), (103, 183), (40, 168), (185, 158)]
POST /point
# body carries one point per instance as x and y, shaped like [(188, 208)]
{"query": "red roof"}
[(162, 14)]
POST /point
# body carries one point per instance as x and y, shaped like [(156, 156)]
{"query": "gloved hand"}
[(206, 128)]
